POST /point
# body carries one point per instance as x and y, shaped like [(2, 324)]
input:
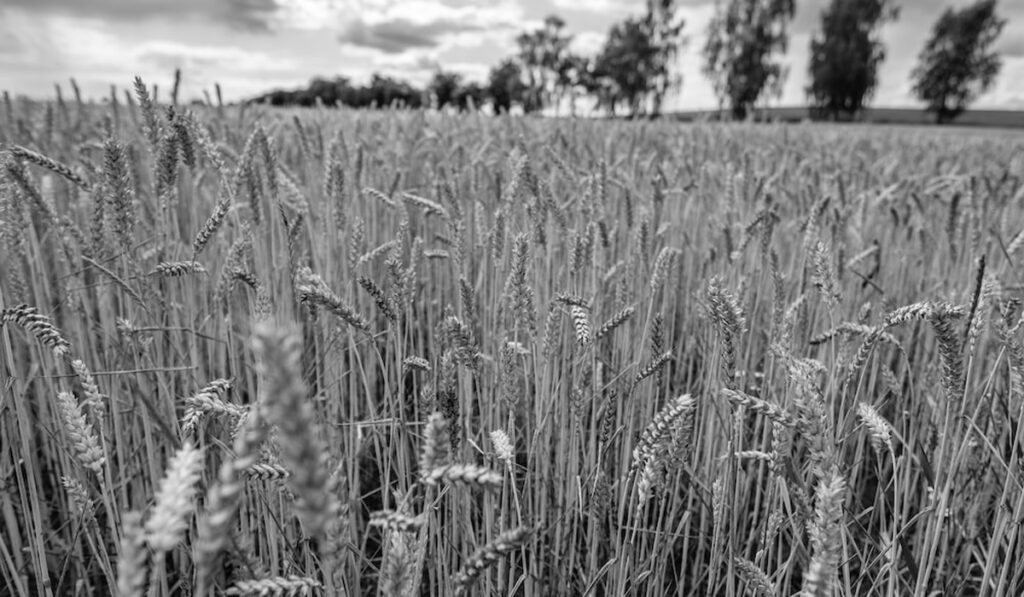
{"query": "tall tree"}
[(665, 29), (846, 54), (506, 88), (623, 68), (634, 68), (542, 53), (957, 65), (742, 40), (444, 87), (386, 92), (470, 95), (574, 74)]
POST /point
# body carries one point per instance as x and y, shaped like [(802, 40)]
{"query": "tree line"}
[(632, 74)]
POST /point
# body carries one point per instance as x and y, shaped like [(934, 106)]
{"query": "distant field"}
[(296, 352), (971, 118)]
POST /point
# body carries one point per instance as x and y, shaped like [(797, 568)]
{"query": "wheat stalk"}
[(176, 269), (224, 497), (756, 579), (614, 322), (881, 436), (278, 586), (434, 453), (466, 474), (581, 323), (52, 165), (209, 400), (131, 565), (826, 537), (266, 471), (213, 222), (93, 398), (314, 291), (502, 446), (302, 451), (487, 555), (169, 518), (83, 438), (772, 411), (38, 325), (396, 521)]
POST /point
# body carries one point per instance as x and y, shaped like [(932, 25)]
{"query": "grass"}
[(271, 352)]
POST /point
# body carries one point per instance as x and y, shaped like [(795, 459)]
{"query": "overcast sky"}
[(251, 46)]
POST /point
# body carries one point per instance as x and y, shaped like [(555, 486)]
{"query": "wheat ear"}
[(83, 438), (488, 555), (287, 407), (174, 500)]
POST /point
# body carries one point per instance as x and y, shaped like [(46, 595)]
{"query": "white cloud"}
[(604, 7), (62, 47), (254, 15), (1008, 91), (335, 14), (170, 55)]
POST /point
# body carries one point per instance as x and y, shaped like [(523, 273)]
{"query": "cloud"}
[(9, 43), (604, 7), (97, 54), (253, 15), (415, 67), (22, 40), (249, 14), (398, 35), (398, 27), (1011, 40), (1011, 47), (167, 56)]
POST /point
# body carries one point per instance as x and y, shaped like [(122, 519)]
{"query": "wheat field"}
[(333, 352)]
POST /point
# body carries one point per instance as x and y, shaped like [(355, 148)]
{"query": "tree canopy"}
[(634, 68), (846, 54), (743, 38), (541, 54), (957, 64), (505, 86)]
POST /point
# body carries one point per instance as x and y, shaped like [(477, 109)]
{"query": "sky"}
[(252, 46)]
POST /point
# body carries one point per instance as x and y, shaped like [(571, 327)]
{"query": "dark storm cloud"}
[(398, 35), (253, 15)]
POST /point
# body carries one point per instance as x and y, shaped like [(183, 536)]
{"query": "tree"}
[(623, 68), (742, 39), (956, 65), (574, 75), (385, 92), (470, 95), (541, 54), (634, 67), (444, 87), (505, 86), (846, 55), (665, 29)]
